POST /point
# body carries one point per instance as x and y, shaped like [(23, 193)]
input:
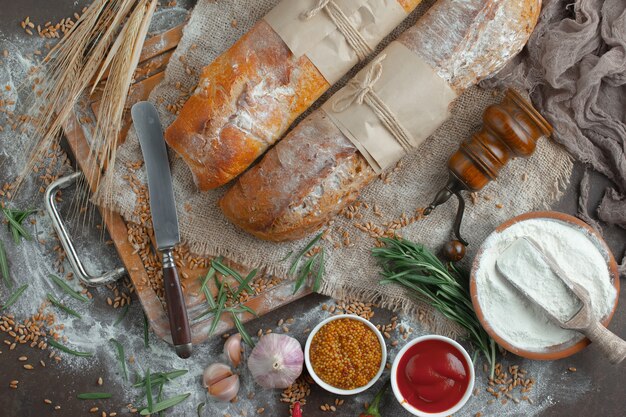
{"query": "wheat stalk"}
[(107, 37), (121, 61)]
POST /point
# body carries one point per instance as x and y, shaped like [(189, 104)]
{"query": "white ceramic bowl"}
[(330, 388), (400, 397)]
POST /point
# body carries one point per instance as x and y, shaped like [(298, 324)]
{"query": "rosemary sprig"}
[(65, 349), (120, 357), (226, 271), (14, 297), (219, 307), (122, 315), (4, 266), (159, 378), (246, 281), (320, 272), (199, 409), (165, 404), (94, 396), (307, 267), (62, 306), (415, 267), (15, 219), (242, 330), (68, 290), (303, 274), (294, 265), (205, 289)]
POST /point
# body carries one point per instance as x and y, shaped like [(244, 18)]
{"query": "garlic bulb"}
[(232, 349), (276, 361), (220, 382)]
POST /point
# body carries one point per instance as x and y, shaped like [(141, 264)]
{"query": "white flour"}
[(516, 319), (523, 265)]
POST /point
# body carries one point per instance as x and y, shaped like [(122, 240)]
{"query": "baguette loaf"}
[(315, 171), (245, 100)]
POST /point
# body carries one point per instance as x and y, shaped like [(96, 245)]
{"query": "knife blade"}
[(164, 218)]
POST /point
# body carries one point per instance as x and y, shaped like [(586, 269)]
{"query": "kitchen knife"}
[(164, 219)]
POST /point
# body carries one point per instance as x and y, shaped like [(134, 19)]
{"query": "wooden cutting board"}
[(156, 54)]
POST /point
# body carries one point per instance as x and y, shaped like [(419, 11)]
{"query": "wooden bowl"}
[(557, 351)]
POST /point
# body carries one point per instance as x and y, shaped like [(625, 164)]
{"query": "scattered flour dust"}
[(574, 250)]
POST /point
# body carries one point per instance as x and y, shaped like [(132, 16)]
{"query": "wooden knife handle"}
[(176, 309), (611, 345)]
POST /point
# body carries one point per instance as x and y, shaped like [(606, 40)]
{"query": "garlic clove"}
[(215, 373), (232, 349), (226, 389)]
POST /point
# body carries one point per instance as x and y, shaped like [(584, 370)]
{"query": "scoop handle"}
[(611, 345)]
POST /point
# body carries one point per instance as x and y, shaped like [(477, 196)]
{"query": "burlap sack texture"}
[(350, 272)]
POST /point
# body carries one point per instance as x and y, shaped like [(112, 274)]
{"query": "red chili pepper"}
[(296, 412), (372, 410)]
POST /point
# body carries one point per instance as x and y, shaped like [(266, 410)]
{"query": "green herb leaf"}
[(149, 393), (165, 404), (161, 377), (160, 396), (94, 396), (242, 331), (244, 308), (304, 273), (245, 283), (317, 283), (294, 265), (21, 215), (67, 289), (205, 289), (121, 357), (122, 315), (199, 409), (62, 306), (221, 301), (14, 224), (4, 266), (62, 348), (286, 256), (146, 333), (226, 271), (14, 297)]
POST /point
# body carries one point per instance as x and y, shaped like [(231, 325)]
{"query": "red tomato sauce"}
[(433, 376)]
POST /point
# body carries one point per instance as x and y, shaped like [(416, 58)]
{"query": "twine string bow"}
[(343, 24), (362, 91)]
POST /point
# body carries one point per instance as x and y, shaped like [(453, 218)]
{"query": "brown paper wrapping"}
[(415, 94), (319, 39)]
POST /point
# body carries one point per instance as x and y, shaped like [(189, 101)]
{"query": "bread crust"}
[(245, 101), (315, 172)]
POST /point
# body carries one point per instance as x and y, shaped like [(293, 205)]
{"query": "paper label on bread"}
[(319, 38), (418, 98)]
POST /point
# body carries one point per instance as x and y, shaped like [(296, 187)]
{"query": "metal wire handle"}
[(66, 241)]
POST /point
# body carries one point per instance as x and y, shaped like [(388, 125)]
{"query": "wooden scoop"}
[(578, 315)]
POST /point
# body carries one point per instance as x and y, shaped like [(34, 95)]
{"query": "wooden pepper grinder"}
[(511, 128)]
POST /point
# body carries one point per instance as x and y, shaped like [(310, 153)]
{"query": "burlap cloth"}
[(350, 271)]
